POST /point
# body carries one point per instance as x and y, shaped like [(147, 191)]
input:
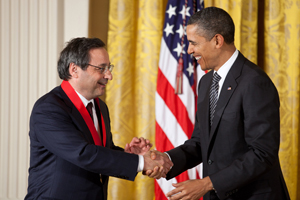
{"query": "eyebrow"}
[(191, 41), (103, 65)]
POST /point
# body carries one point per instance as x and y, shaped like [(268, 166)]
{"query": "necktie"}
[(213, 95), (89, 109)]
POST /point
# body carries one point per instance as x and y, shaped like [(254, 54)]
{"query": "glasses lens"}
[(110, 68)]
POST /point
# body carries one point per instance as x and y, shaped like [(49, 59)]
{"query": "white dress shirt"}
[(224, 69)]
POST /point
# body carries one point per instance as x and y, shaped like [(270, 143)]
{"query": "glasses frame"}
[(109, 68)]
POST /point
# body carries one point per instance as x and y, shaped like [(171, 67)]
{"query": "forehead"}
[(99, 55), (194, 33)]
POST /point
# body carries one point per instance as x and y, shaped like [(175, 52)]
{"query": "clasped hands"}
[(156, 164)]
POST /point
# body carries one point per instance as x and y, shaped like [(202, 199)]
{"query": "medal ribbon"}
[(71, 93)]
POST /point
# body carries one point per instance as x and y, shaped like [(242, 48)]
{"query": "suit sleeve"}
[(55, 131), (187, 155)]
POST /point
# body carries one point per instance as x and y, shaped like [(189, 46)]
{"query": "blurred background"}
[(33, 32)]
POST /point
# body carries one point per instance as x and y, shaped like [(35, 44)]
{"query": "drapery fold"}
[(134, 36), (282, 63)]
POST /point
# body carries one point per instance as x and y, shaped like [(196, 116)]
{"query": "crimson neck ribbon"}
[(71, 93)]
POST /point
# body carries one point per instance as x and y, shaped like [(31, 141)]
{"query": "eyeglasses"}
[(103, 70)]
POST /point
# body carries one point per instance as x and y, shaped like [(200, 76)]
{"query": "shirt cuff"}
[(141, 163), (168, 156)]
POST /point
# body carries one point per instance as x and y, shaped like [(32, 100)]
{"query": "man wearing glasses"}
[(72, 153)]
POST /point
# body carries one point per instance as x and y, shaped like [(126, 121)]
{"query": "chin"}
[(204, 68), (101, 93)]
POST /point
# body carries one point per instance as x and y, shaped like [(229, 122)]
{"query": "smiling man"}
[(72, 153), (237, 129)]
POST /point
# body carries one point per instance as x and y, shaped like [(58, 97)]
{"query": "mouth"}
[(198, 57), (102, 84)]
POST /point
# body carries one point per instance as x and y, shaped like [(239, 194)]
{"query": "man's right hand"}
[(156, 164)]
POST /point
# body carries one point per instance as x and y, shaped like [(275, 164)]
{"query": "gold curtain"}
[(134, 36), (268, 33), (282, 57)]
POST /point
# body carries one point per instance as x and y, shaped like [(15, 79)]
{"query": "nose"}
[(108, 75), (190, 50)]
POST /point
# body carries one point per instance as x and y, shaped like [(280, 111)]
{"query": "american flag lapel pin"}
[(229, 88)]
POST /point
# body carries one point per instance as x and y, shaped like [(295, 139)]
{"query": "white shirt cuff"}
[(141, 163)]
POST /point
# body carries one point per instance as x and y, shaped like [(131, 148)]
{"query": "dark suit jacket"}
[(64, 162), (240, 151)]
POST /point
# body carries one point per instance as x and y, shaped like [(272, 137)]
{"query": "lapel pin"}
[(229, 88)]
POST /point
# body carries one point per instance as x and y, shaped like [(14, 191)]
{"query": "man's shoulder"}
[(52, 97), (246, 67)]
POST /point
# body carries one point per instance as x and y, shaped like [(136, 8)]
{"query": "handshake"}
[(156, 164)]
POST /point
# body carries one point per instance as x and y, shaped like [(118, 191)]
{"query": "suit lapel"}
[(106, 122), (227, 90), (77, 118)]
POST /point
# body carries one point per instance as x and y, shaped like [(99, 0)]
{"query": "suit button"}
[(209, 162)]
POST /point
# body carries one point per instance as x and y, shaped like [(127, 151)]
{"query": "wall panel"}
[(31, 38)]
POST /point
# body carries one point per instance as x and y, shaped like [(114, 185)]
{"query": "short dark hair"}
[(212, 21), (77, 52)]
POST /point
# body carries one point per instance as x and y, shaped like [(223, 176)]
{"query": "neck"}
[(78, 89), (226, 52)]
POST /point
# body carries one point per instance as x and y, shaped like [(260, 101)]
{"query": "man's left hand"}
[(191, 189), (138, 146)]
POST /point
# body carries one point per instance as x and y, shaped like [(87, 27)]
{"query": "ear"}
[(219, 39), (73, 70)]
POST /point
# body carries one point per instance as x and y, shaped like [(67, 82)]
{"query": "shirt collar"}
[(224, 69), (84, 100)]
